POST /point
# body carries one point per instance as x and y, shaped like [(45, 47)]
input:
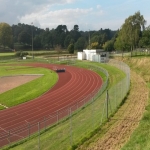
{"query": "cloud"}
[(98, 6), (12, 11), (52, 19)]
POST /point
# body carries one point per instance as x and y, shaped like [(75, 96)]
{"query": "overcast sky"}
[(87, 14)]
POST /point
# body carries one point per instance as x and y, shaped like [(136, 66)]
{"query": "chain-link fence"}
[(73, 124)]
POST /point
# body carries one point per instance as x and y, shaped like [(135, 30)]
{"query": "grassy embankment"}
[(50, 138), (140, 139)]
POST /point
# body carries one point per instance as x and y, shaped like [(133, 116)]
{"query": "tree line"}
[(22, 34), (132, 34)]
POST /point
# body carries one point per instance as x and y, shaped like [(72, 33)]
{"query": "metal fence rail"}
[(79, 119)]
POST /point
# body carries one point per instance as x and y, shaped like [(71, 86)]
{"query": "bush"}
[(71, 48)]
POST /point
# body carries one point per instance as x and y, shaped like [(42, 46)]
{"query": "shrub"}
[(71, 48)]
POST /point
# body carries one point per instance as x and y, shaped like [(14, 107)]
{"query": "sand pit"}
[(10, 82)]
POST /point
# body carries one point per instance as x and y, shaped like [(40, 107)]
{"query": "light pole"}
[(32, 40), (89, 40)]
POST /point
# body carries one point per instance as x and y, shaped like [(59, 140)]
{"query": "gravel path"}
[(121, 126)]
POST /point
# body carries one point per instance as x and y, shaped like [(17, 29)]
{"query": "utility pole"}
[(32, 40), (89, 40)]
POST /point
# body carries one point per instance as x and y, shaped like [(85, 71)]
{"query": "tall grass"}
[(140, 139)]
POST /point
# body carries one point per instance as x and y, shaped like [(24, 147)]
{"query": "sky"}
[(87, 14)]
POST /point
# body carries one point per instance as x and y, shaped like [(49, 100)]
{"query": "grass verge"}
[(140, 138)]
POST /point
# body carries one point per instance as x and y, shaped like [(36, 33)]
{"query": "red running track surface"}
[(73, 85)]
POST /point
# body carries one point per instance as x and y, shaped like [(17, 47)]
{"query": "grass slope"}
[(140, 139)]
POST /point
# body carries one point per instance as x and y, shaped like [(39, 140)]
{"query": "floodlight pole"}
[(89, 39), (32, 41)]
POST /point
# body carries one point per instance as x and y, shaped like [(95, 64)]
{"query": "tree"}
[(80, 44), (46, 39), (109, 46), (75, 34), (95, 45), (58, 49), (71, 48), (120, 43), (37, 42), (61, 31), (6, 37), (131, 31), (95, 39), (24, 37), (76, 28), (67, 41), (145, 40)]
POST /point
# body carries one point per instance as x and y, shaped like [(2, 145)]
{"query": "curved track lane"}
[(72, 86)]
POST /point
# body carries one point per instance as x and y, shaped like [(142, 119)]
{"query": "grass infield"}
[(27, 91)]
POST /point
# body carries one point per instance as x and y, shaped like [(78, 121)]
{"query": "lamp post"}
[(32, 41), (89, 41)]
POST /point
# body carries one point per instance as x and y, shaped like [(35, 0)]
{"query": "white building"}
[(94, 55)]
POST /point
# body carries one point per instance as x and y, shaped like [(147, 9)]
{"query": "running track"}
[(72, 86)]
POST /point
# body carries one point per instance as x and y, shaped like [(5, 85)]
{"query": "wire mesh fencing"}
[(70, 126)]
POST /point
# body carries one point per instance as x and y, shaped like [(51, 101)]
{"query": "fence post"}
[(39, 135), (57, 116), (103, 111), (9, 138), (29, 130), (107, 104), (77, 105), (70, 127), (92, 109), (115, 97), (45, 123)]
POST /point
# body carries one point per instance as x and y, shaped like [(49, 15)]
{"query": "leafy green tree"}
[(120, 44), (131, 31), (75, 34), (24, 37), (109, 46), (145, 40), (67, 41), (71, 48), (61, 33), (76, 28), (62, 39), (58, 50), (104, 38), (37, 42), (95, 39), (6, 37), (46, 39), (80, 44), (95, 45)]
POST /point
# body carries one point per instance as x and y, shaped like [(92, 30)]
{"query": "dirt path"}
[(121, 126)]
